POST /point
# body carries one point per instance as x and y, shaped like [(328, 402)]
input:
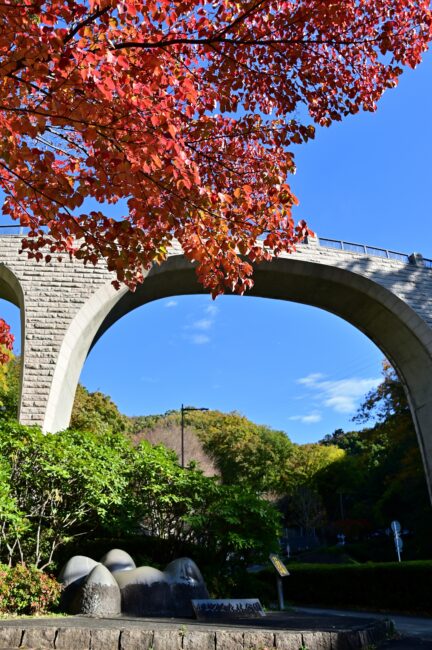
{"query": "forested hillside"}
[(353, 482)]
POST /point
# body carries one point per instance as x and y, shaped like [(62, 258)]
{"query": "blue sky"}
[(293, 367)]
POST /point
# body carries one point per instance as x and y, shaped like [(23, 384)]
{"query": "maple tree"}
[(6, 342), (183, 112)]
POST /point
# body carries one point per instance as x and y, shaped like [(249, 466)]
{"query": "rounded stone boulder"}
[(118, 560), (186, 583), (76, 568), (145, 591), (185, 571), (100, 594), (72, 577)]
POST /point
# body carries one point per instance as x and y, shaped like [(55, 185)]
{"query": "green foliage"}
[(97, 413), (393, 586), (26, 590), (244, 453), (141, 423), (387, 399), (10, 379), (55, 486), (184, 506), (307, 461), (381, 477)]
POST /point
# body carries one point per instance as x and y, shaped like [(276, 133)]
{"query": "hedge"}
[(395, 587)]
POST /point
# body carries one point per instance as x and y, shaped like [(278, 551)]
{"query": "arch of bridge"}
[(66, 307)]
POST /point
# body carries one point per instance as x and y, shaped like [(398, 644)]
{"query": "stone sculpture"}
[(100, 594), (118, 560), (72, 577), (115, 585)]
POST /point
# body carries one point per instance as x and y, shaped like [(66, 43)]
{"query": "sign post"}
[(396, 528), (282, 572)]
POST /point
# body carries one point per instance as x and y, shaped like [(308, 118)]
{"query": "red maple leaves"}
[(6, 342), (182, 112)]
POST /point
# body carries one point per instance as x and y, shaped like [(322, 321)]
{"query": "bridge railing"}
[(337, 244), (363, 249)]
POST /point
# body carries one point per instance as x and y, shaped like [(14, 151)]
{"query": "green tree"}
[(302, 503), (243, 452), (381, 477), (308, 460), (97, 413), (58, 486), (185, 506)]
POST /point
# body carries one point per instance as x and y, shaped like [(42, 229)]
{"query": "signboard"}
[(227, 608), (395, 526), (278, 565)]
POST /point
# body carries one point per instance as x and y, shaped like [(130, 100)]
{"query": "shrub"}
[(391, 586), (54, 487), (26, 590)]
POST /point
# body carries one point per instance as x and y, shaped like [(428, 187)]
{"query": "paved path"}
[(415, 632)]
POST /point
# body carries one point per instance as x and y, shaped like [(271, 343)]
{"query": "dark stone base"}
[(275, 631)]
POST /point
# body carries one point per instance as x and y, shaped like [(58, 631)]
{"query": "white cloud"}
[(202, 324), (171, 303), (212, 310), (200, 339), (312, 418), (311, 379), (342, 395)]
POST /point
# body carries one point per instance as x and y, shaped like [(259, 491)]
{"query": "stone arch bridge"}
[(66, 307)]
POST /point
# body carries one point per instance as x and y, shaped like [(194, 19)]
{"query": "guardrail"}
[(336, 244), (363, 249)]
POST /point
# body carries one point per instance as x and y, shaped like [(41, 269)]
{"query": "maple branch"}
[(32, 187), (88, 21), (67, 118), (238, 134), (248, 42), (62, 205), (242, 17), (66, 139)]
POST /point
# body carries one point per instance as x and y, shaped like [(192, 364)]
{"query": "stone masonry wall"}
[(54, 293), (113, 634)]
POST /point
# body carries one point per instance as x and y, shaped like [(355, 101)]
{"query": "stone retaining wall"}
[(182, 638)]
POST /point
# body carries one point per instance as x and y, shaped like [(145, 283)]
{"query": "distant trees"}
[(97, 413), (353, 481), (381, 476), (243, 452), (302, 503), (257, 458), (166, 430), (115, 474)]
